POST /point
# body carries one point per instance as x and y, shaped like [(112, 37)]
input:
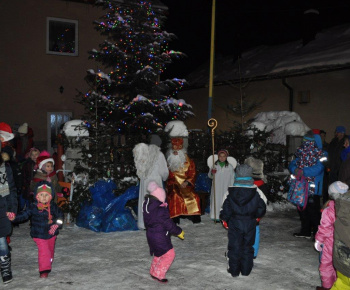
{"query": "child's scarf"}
[(42, 207)]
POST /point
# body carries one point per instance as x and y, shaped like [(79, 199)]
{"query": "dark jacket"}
[(334, 152), (28, 173), (7, 155), (159, 226), (240, 210), (242, 207), (8, 203), (23, 144), (344, 171), (40, 218)]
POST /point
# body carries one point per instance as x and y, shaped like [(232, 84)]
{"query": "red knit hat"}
[(43, 158), (6, 132), (223, 151)]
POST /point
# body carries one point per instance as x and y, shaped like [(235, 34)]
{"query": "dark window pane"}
[(62, 36)]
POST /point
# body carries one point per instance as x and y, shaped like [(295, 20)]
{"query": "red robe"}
[(183, 201)]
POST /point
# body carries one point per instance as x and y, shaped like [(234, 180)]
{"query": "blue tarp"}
[(203, 183), (107, 213)]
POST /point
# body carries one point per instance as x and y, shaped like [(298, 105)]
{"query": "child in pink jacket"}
[(324, 237)]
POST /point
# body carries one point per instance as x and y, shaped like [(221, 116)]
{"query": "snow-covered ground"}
[(120, 260)]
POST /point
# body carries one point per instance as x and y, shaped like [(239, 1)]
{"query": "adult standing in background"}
[(344, 171), (24, 141), (334, 153)]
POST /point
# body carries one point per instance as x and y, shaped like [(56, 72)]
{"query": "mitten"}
[(318, 246), (225, 225), (182, 235), (53, 229), (213, 171), (11, 216)]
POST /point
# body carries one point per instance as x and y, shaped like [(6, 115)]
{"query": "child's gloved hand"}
[(182, 235), (53, 229), (318, 246), (11, 216), (213, 171), (225, 225)]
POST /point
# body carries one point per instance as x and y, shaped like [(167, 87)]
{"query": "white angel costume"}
[(151, 166), (224, 177)]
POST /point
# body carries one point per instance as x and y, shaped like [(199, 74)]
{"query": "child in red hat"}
[(45, 171)]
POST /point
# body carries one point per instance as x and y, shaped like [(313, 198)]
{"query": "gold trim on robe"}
[(183, 201)]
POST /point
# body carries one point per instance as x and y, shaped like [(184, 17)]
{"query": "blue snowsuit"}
[(240, 210)]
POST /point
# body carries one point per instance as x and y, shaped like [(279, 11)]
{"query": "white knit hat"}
[(23, 128), (176, 128), (337, 188)]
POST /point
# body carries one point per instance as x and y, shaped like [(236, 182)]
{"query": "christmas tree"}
[(131, 95), (127, 99)]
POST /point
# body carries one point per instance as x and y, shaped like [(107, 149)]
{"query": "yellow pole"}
[(211, 70), (212, 123)]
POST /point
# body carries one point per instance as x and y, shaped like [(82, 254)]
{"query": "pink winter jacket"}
[(325, 236)]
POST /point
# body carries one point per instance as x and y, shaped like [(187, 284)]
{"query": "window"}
[(61, 36), (304, 97), (55, 120)]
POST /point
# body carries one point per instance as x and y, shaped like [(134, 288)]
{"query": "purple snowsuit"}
[(159, 226)]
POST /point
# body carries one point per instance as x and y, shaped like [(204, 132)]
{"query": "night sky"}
[(241, 25)]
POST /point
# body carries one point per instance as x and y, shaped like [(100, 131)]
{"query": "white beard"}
[(176, 162)]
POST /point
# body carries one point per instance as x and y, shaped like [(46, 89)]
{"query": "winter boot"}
[(160, 280), (6, 268), (44, 274)]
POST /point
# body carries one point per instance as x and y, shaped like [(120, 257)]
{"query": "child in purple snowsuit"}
[(159, 228)]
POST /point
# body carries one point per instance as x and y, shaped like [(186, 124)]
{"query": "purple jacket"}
[(159, 226)]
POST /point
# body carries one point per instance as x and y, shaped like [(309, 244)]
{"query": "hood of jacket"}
[(242, 195), (150, 203), (318, 141)]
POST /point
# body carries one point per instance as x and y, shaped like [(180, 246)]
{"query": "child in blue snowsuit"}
[(240, 210), (258, 175)]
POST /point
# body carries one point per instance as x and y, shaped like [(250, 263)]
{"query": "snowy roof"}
[(330, 50)]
